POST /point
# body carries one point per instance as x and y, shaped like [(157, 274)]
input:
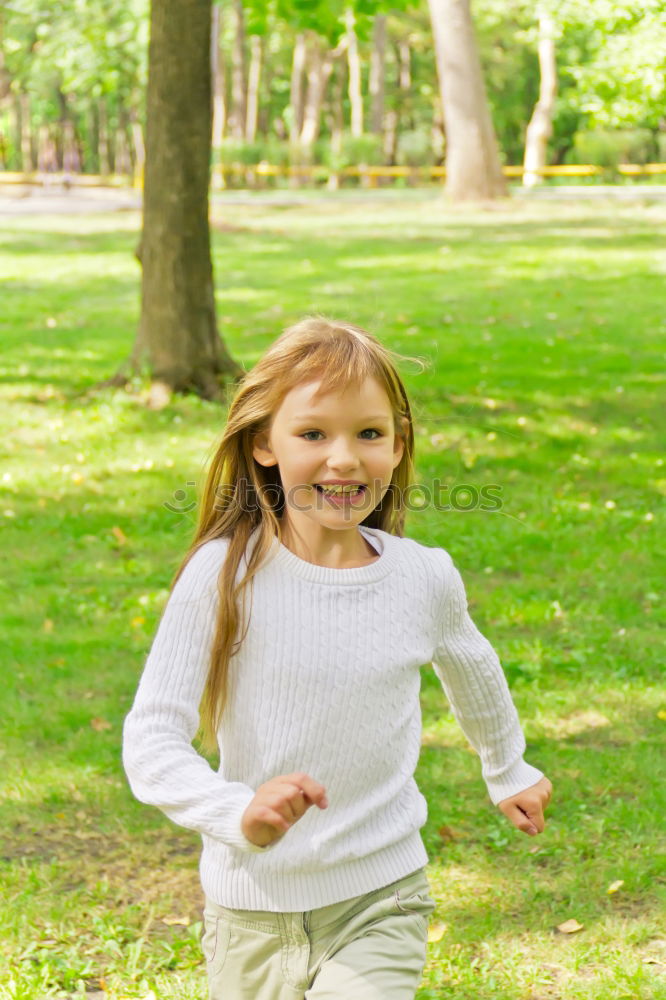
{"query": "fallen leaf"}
[(661, 714), (447, 833), (47, 625), (136, 622), (119, 535), (436, 932), (614, 886), (569, 927), (99, 725), (170, 921), (553, 971)]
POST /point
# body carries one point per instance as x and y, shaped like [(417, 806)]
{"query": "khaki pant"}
[(370, 947)]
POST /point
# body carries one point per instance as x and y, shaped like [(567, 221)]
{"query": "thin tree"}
[(253, 83), (218, 73), (178, 330), (103, 137), (377, 81), (238, 116), (296, 88), (24, 119), (354, 64), (540, 127), (473, 169), (320, 64)]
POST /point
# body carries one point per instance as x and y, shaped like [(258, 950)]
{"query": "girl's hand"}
[(525, 810), (278, 804)]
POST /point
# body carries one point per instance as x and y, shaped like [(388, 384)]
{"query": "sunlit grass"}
[(544, 331)]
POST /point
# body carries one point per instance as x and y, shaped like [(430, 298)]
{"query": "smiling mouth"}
[(340, 493)]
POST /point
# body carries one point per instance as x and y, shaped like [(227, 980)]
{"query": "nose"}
[(342, 455)]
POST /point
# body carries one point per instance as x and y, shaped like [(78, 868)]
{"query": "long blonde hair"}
[(338, 354)]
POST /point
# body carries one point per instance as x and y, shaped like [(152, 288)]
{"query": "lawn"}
[(543, 329)]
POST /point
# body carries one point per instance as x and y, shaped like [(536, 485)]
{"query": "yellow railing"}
[(362, 170), (75, 180), (370, 174)]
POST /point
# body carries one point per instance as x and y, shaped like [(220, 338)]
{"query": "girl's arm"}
[(474, 682), (162, 766)]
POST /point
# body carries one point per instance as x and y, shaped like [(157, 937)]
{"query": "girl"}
[(313, 867)]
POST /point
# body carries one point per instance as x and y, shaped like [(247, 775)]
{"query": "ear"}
[(261, 450), (399, 443)]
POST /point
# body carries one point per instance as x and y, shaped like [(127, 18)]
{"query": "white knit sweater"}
[(326, 682)]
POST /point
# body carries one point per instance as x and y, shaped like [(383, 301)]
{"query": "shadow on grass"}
[(400, 278)]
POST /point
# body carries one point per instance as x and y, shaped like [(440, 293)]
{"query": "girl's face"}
[(346, 436)]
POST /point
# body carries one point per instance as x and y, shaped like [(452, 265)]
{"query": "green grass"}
[(544, 328)]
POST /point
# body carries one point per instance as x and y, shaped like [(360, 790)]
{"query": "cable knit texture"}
[(326, 682)]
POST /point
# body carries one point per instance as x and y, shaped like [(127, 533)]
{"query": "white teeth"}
[(341, 489)]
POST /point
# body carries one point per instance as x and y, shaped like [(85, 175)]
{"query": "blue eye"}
[(371, 429)]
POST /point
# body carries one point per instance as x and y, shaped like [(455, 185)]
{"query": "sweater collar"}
[(382, 540)]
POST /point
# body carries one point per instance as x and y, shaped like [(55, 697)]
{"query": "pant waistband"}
[(268, 920)]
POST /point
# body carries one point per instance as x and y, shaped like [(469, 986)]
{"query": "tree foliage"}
[(622, 81), (85, 61), (69, 55)]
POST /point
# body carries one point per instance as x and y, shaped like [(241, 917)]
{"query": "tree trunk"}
[(138, 147), (5, 93), (378, 74), (5, 75), (103, 138), (296, 90), (320, 67), (238, 115), (253, 81), (354, 63), (219, 95), (391, 137), (399, 116), (178, 330), (473, 169), (405, 64), (266, 116), (540, 127), (437, 131), (25, 130), (337, 124), (47, 157), (123, 163), (71, 157)]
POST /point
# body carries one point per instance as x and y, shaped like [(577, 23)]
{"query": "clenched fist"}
[(525, 810), (278, 804)]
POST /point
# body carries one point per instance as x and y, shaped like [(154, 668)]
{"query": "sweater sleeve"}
[(162, 766), (474, 683)]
